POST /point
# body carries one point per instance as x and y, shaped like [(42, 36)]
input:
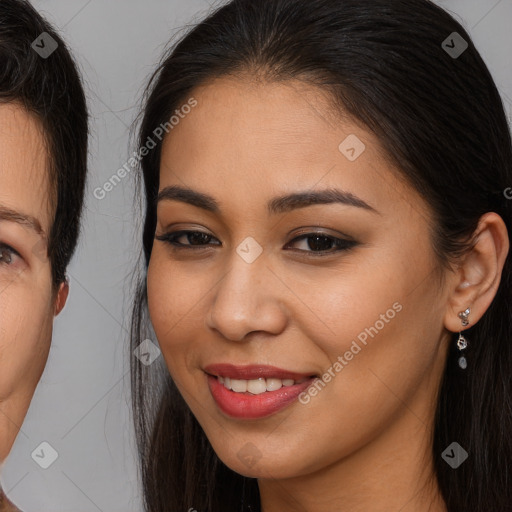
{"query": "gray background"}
[(81, 406)]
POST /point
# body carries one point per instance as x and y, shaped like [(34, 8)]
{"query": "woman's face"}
[(26, 299), (309, 258)]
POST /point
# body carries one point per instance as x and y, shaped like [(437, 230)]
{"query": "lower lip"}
[(249, 406)]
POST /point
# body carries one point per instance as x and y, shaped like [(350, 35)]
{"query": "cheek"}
[(174, 302), (168, 296), (375, 323), (380, 330), (355, 302), (25, 334)]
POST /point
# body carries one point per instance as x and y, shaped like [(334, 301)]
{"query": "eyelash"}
[(339, 243), (7, 248)]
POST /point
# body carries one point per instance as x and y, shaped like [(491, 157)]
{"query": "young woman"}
[(327, 269), (43, 148)]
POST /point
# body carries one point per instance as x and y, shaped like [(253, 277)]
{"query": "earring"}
[(462, 342), (463, 315)]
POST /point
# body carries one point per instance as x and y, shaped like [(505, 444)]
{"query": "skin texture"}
[(367, 433), (28, 300)]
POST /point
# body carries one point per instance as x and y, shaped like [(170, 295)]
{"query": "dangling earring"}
[(462, 342)]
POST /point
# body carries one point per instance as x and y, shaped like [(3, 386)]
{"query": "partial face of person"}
[(26, 295), (292, 284)]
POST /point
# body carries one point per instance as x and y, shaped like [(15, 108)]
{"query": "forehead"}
[(260, 135), (255, 123), (24, 177)]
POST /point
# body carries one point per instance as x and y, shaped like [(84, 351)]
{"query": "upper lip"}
[(252, 371)]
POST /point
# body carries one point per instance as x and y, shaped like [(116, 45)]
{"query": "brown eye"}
[(186, 239), (197, 238), (321, 243), (7, 254)]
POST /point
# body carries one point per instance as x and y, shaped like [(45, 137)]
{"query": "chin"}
[(251, 463)]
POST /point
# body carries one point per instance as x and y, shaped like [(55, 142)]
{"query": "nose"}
[(247, 299)]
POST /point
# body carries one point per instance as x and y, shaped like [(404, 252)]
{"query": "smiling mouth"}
[(254, 391)]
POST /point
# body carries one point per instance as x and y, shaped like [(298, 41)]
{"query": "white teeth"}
[(240, 386), (274, 384), (255, 386)]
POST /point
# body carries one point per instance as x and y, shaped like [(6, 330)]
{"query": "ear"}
[(478, 276), (62, 297)]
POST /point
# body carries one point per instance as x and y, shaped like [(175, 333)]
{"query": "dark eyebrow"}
[(277, 205), (20, 218), (290, 202)]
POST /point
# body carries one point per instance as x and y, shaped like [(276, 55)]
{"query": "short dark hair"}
[(441, 120), (50, 89)]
